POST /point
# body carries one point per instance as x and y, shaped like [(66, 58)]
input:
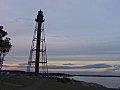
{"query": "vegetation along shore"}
[(20, 81)]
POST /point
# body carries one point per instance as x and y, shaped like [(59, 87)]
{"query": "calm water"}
[(110, 82)]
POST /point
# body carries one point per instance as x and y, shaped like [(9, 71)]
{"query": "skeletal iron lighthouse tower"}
[(38, 58)]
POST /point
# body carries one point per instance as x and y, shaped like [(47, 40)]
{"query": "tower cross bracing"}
[(38, 58)]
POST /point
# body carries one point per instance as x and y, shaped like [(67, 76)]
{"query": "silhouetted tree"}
[(5, 45)]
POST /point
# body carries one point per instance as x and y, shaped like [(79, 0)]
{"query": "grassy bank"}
[(26, 82), (54, 84), (13, 82)]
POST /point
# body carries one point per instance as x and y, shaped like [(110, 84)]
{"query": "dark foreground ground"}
[(31, 82)]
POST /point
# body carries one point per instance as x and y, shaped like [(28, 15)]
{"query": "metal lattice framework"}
[(43, 56)]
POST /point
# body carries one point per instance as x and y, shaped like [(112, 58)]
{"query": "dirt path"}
[(37, 86)]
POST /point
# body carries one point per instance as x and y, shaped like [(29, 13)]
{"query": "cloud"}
[(80, 67), (115, 68), (24, 65), (69, 64), (97, 66), (8, 66), (65, 67)]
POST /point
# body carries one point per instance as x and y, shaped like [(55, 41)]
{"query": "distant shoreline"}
[(97, 75), (57, 74)]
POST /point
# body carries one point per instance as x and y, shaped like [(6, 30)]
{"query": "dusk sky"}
[(72, 27)]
